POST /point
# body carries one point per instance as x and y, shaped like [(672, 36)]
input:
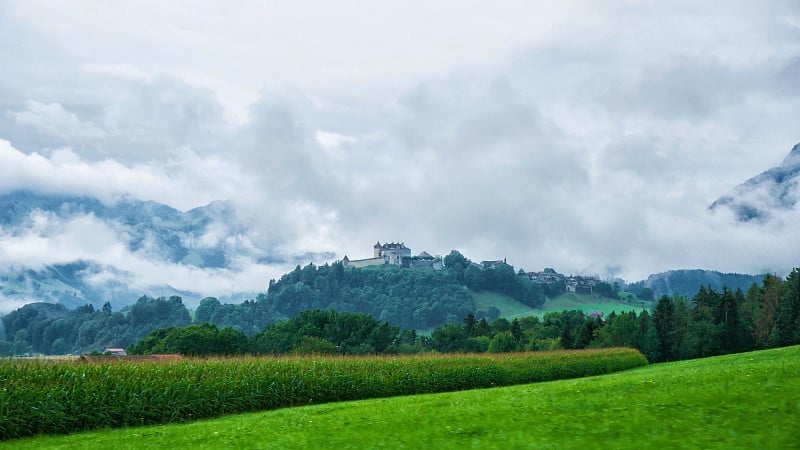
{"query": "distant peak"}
[(793, 158)]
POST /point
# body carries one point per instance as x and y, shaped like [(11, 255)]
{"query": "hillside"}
[(416, 298), (510, 309), (592, 302), (688, 282), (504, 305), (705, 403), (409, 298)]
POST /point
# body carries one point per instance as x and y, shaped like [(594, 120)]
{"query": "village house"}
[(573, 283), (546, 277), (114, 351), (581, 285)]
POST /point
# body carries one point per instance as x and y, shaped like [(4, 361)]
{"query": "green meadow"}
[(513, 309), (592, 302), (508, 307), (747, 401)]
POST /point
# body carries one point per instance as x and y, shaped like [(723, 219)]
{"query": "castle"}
[(395, 253)]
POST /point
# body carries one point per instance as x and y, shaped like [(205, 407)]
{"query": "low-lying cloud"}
[(595, 147), (46, 239)]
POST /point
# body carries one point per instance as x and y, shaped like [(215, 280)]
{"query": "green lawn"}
[(747, 401), (588, 303), (511, 309)]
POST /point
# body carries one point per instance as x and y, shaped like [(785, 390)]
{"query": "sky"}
[(587, 136)]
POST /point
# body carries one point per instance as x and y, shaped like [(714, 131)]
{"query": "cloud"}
[(587, 139), (52, 119), (186, 180), (48, 240), (9, 304)]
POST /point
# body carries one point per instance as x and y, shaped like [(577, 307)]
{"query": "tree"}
[(483, 328), (731, 330), (194, 340), (205, 311), (470, 323), (502, 343), (516, 330), (664, 322), (619, 330), (587, 332), (456, 263), (448, 338), (769, 297), (477, 344), (787, 320), (646, 294)]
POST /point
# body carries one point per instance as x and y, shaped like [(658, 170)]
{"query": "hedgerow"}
[(65, 397)]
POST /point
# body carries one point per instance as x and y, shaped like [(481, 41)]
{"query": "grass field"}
[(588, 303), (746, 401), (511, 309)]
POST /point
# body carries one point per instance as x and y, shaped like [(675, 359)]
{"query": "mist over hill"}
[(77, 250), (688, 282)]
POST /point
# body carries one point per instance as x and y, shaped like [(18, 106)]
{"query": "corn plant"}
[(65, 397)]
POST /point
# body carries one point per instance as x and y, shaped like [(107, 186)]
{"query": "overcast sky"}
[(586, 136)]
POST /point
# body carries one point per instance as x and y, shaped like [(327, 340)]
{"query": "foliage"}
[(47, 328), (349, 333), (687, 282), (250, 316), (502, 279), (711, 323), (409, 298), (646, 294), (75, 396), (193, 340), (417, 298)]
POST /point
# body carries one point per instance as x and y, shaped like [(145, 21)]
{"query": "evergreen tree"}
[(787, 320), (470, 324), (664, 324), (770, 296)]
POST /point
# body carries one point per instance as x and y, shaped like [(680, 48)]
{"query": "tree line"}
[(711, 323), (52, 329), (406, 299)]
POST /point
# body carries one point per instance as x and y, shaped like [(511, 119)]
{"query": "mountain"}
[(72, 285), (76, 250), (774, 189), (688, 282), (171, 234)]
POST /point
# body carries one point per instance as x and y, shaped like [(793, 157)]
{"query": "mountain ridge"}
[(209, 237), (777, 188)]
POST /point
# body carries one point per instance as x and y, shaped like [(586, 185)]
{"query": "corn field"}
[(65, 397)]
